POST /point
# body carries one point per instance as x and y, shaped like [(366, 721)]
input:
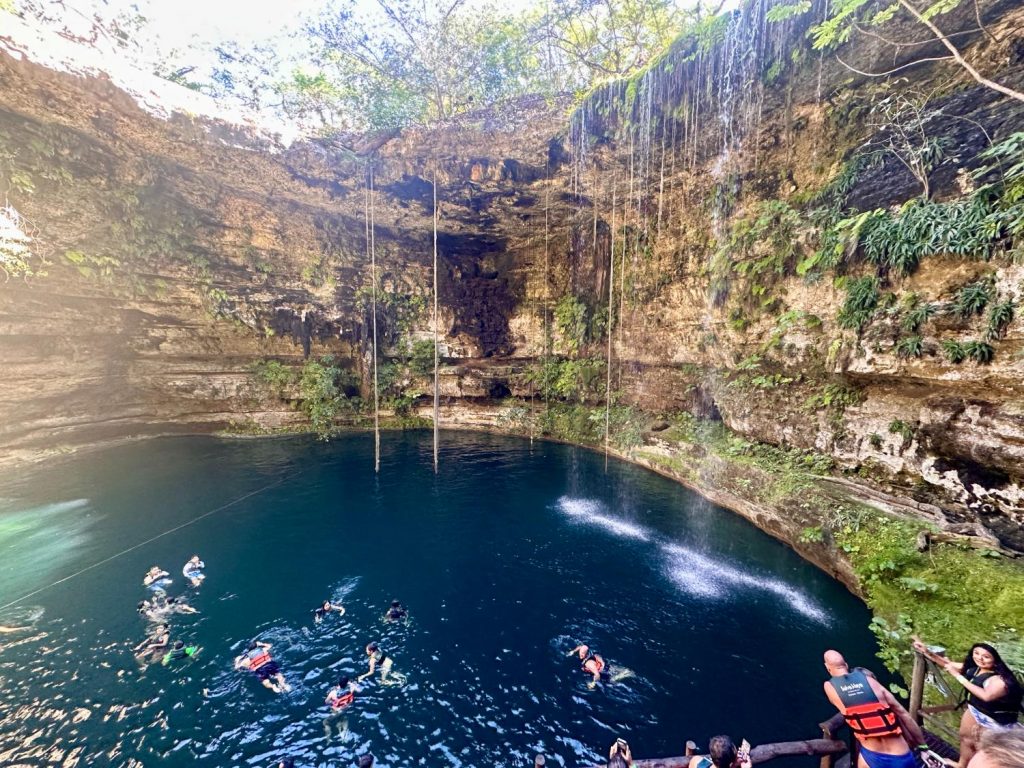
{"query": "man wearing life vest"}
[(591, 663), (341, 695), (257, 660), (887, 734)]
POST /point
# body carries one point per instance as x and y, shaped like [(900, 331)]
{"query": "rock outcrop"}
[(171, 253)]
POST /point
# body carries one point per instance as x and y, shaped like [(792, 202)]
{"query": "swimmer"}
[(155, 644), (257, 660), (365, 761), (595, 666), (193, 570), (396, 612), (179, 651), (338, 699), (723, 754), (341, 695), (147, 610), (155, 577), (378, 660), (172, 605), (326, 608)]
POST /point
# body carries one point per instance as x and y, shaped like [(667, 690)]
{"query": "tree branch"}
[(959, 58)]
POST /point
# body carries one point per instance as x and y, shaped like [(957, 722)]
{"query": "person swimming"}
[(193, 570), (396, 612), (342, 694), (179, 651), (156, 578), (257, 660), (378, 660), (172, 605), (154, 644), (595, 666), (326, 608)]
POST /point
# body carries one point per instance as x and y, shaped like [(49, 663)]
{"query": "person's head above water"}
[(327, 605), (343, 682), (583, 650), (365, 761), (253, 646), (835, 663), (722, 751), (372, 648), (395, 604), (179, 645)]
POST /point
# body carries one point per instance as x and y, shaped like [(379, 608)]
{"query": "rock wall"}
[(170, 254)]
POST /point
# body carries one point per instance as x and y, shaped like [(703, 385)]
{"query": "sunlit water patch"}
[(506, 559)]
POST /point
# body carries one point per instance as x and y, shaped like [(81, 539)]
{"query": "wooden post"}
[(917, 687)]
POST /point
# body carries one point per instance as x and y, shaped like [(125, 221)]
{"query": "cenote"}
[(507, 558)]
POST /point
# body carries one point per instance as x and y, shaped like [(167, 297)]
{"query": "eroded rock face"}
[(172, 254)]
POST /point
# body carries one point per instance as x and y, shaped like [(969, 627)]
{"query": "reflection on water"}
[(506, 560), (36, 541)]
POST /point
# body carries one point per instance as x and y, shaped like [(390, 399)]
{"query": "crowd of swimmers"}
[(887, 736), (257, 657)]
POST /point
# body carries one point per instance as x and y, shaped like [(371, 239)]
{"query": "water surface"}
[(508, 558)]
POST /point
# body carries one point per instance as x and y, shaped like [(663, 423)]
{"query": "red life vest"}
[(864, 713), (342, 701), (257, 658)]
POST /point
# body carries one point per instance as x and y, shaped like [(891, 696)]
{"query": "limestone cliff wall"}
[(171, 253)]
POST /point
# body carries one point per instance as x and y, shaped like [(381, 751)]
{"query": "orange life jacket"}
[(343, 700), (257, 658), (864, 713)]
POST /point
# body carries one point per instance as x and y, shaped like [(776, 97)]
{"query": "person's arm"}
[(373, 666), (912, 732), (994, 687), (574, 650), (340, 609), (147, 642)]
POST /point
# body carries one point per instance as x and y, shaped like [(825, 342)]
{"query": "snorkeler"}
[(326, 608), (156, 578), (193, 570), (180, 651), (378, 660), (396, 612), (257, 660), (595, 666)]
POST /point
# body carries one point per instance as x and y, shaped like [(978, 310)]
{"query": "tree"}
[(427, 61), (610, 38), (848, 16)]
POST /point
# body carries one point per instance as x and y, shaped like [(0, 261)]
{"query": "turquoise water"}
[(506, 559)]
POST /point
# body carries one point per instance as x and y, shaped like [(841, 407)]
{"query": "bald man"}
[(888, 736)]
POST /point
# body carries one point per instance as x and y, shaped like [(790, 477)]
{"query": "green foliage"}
[(917, 313), (782, 12), (1000, 315), (875, 440), (276, 376), (21, 182), (322, 389), (421, 358), (911, 346), (837, 396), (861, 300), (901, 428), (579, 324), (980, 352), (954, 351), (812, 535), (972, 298), (92, 267), (572, 380), (760, 247)]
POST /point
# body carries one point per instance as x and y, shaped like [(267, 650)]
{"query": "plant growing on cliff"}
[(322, 387), (980, 352), (861, 301), (972, 298), (954, 351), (1000, 315), (274, 375), (845, 17), (912, 346)]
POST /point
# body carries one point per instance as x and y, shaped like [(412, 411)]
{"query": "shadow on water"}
[(507, 559)]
